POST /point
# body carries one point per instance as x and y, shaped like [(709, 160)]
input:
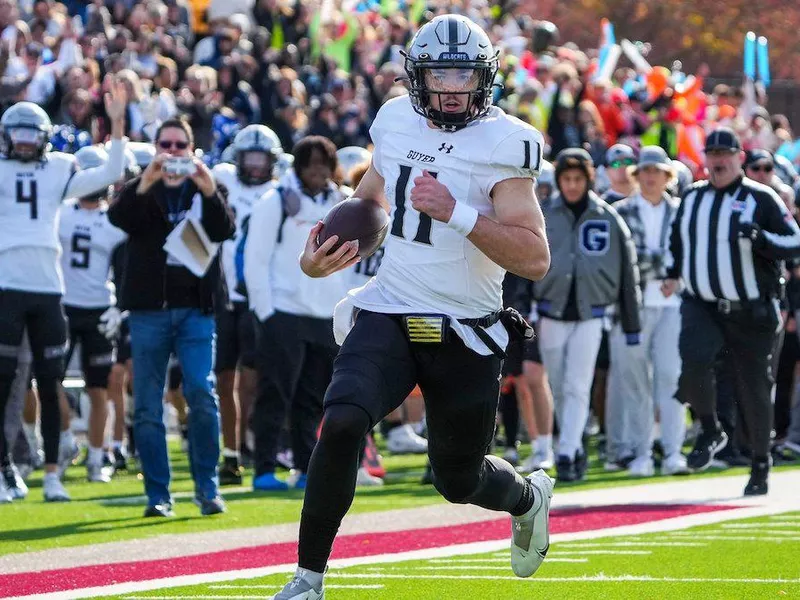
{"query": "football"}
[(356, 219)]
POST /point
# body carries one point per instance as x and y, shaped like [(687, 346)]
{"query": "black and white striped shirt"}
[(711, 257)]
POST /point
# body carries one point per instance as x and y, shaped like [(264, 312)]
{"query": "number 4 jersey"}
[(429, 267), (88, 241)]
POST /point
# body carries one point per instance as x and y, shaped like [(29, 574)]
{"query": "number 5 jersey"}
[(88, 241), (428, 267)]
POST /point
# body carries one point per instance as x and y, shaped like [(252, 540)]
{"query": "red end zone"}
[(349, 546)]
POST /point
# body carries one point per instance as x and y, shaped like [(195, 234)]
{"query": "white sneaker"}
[(53, 489), (5, 494), (547, 459), (300, 588), (14, 483), (364, 479), (403, 440), (530, 533), (98, 473), (642, 467), (675, 464)]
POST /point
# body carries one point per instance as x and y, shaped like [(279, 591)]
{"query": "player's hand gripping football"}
[(431, 196), (315, 260)]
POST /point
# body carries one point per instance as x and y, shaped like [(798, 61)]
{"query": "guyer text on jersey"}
[(420, 157)]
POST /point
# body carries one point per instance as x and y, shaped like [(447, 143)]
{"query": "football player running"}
[(457, 176), (88, 241), (33, 184), (256, 149)]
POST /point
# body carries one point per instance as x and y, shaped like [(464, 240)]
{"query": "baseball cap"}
[(723, 138), (619, 152), (654, 156), (757, 155)]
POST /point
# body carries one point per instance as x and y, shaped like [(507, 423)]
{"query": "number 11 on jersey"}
[(423, 234)]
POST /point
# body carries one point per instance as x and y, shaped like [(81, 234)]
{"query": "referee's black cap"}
[(723, 138)]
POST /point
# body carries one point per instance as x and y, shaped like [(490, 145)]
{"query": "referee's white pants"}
[(642, 378), (569, 351)]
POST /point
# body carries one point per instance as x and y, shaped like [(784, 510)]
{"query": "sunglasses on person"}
[(169, 144), (760, 168), (625, 162)]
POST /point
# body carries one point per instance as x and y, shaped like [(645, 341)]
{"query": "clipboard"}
[(189, 244)]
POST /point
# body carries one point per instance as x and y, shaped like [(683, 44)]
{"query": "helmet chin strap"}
[(448, 121)]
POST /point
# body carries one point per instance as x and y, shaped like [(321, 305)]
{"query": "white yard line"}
[(587, 578)]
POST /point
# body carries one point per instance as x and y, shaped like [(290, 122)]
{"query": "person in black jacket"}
[(171, 310)]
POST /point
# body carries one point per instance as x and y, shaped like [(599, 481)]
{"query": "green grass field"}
[(745, 559), (113, 512)]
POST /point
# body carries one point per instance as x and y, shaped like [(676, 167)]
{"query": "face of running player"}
[(723, 166), (317, 174), (653, 181), (449, 89), (174, 142), (573, 185), (256, 166)]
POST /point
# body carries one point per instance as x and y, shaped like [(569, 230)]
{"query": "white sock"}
[(67, 439), (228, 453), (95, 456), (30, 435), (544, 444), (48, 476)]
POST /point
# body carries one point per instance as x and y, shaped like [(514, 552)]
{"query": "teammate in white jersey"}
[(33, 183), (88, 242), (458, 178), (256, 149)]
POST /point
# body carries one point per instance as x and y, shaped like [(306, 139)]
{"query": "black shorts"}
[(43, 316), (97, 352), (515, 351), (377, 368), (236, 338), (124, 343)]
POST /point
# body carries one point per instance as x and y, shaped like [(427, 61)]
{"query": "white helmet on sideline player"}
[(256, 149), (351, 157), (26, 130)]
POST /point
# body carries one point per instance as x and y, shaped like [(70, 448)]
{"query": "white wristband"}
[(463, 218)]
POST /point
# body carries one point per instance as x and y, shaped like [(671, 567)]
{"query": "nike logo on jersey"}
[(420, 157)]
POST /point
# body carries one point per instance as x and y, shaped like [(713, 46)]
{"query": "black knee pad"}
[(344, 425), (456, 482)]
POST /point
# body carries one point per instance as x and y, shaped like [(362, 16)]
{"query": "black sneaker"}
[(757, 486), (581, 465), (120, 460), (706, 446), (565, 469), (211, 506), (230, 472), (728, 457), (159, 510)]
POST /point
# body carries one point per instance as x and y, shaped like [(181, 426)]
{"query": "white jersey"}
[(30, 196), (428, 267), (241, 199), (88, 241)]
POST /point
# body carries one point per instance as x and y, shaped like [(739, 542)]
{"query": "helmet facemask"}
[(254, 167), (24, 143), (451, 94)]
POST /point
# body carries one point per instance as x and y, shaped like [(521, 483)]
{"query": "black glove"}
[(753, 232)]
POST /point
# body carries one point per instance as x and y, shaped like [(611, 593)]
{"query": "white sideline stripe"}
[(764, 526), (328, 586), (637, 544), (735, 532), (587, 578), (746, 538), (674, 523)]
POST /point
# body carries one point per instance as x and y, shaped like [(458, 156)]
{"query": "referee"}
[(728, 239)]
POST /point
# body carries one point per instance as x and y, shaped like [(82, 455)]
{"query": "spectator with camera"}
[(171, 310)]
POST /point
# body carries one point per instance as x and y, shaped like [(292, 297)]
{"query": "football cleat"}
[(530, 532)]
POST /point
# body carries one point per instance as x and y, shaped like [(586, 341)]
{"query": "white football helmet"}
[(249, 143), (456, 54), (350, 157), (25, 130)]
